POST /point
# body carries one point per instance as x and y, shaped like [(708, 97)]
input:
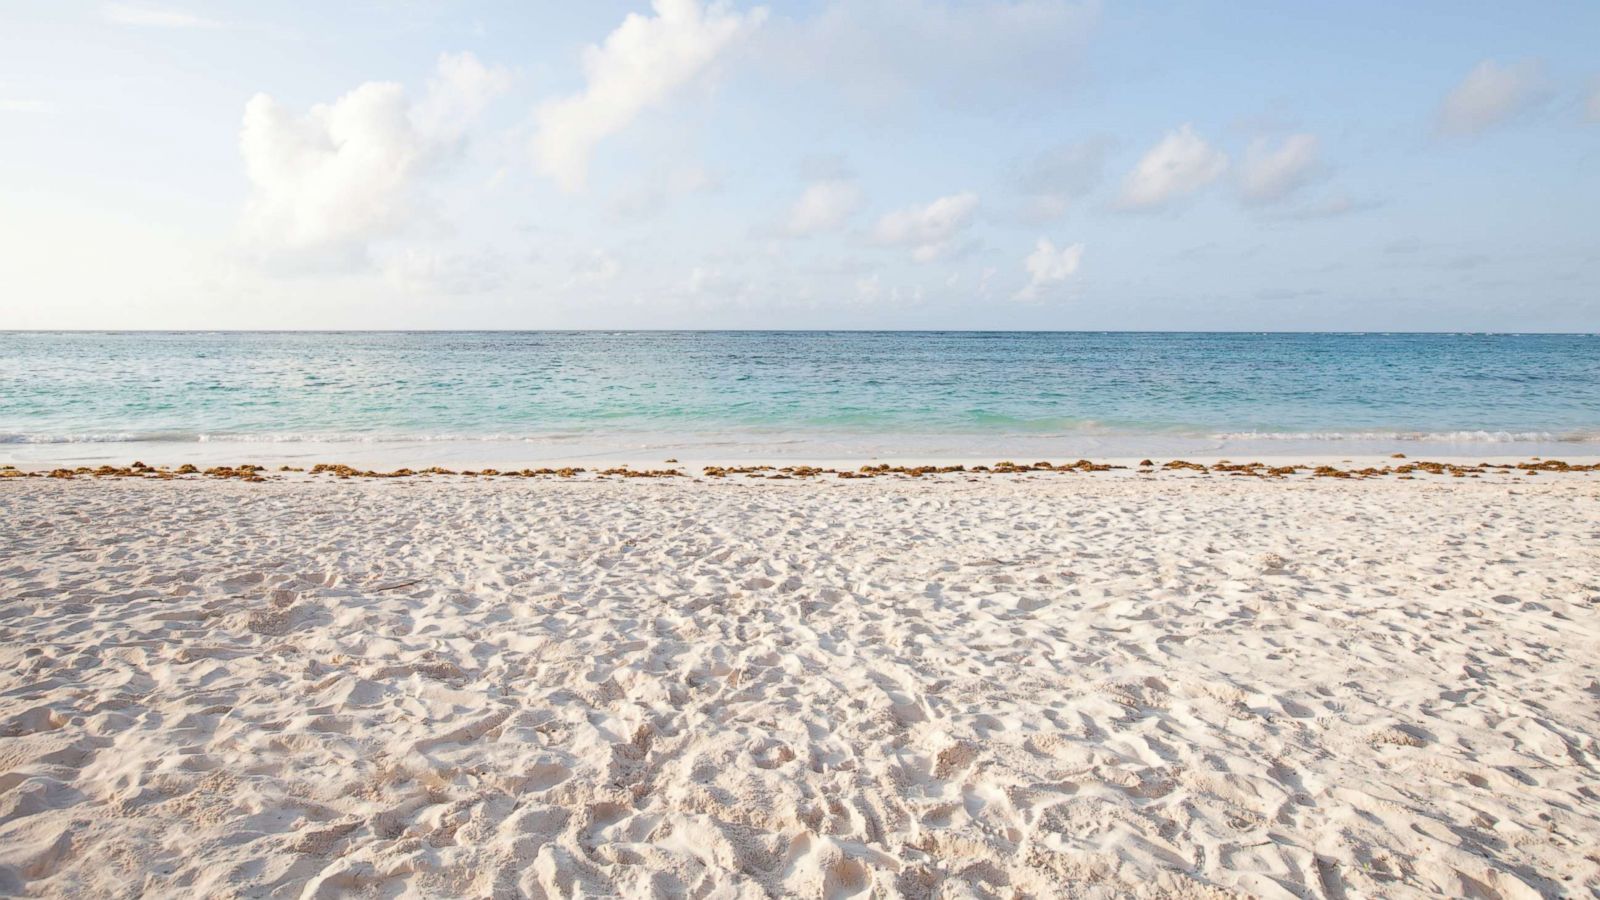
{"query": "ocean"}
[(535, 396)]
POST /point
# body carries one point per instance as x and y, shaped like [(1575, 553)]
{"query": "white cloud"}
[(1491, 94), (154, 17), (1269, 175), (16, 105), (1592, 108), (458, 94), (640, 64), (1180, 164), (334, 177), (324, 183), (930, 229), (1047, 265), (824, 206)]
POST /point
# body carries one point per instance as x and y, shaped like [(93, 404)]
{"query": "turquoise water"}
[(884, 392)]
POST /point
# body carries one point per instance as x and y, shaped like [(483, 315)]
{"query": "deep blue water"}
[(186, 387)]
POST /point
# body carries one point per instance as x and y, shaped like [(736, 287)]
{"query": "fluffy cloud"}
[(154, 17), (640, 64), (930, 229), (1180, 164), (824, 206), (458, 94), (328, 180), (1269, 174), (1491, 94), (324, 183), (1047, 265)]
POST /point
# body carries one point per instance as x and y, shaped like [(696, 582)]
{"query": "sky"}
[(985, 164)]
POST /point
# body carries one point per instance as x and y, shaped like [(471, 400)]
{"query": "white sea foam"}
[(1445, 437), (887, 438), (279, 437)]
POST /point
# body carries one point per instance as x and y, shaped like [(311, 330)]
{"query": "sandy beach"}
[(1035, 685), (744, 449)]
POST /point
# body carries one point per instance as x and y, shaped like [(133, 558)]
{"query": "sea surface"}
[(814, 395)]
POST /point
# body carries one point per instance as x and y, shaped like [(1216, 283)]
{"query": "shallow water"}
[(549, 395)]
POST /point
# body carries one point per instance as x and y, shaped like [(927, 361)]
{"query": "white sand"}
[(1038, 686)]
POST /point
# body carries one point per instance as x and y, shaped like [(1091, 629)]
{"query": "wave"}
[(276, 438), (1443, 437), (740, 436), (81, 438)]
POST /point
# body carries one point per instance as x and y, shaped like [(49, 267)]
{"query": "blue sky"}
[(861, 164)]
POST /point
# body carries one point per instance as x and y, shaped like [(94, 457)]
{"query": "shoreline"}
[(1391, 467), (652, 450)]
